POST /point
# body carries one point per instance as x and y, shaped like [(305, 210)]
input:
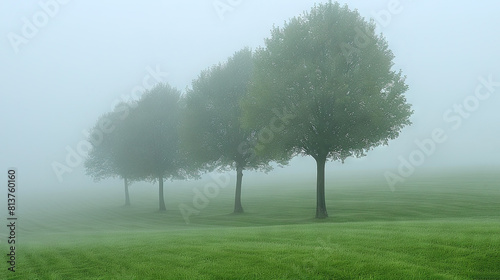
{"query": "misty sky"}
[(86, 55)]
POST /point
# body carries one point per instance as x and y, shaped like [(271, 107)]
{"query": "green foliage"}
[(110, 154), (330, 69), (141, 139), (212, 132), (334, 72), (322, 86), (152, 135)]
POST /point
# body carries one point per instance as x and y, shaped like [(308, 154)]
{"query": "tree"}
[(109, 156), (152, 138), (212, 130), (333, 73)]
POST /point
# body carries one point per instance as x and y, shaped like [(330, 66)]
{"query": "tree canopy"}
[(323, 86), (333, 73), (110, 155), (153, 138), (212, 129)]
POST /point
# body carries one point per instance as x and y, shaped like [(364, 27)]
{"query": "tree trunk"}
[(321, 212), (162, 200), (237, 198), (127, 198)]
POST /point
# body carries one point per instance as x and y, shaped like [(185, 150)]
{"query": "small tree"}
[(334, 73), (212, 131), (110, 156), (152, 138)]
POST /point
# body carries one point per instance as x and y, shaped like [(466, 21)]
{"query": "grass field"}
[(432, 227)]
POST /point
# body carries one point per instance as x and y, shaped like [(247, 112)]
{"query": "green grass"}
[(432, 227)]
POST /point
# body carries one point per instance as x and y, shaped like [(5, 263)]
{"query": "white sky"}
[(90, 53)]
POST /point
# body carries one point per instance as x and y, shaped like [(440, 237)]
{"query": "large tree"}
[(334, 76), (152, 137), (212, 131), (110, 156)]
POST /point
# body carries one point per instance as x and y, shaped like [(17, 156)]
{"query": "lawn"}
[(432, 227)]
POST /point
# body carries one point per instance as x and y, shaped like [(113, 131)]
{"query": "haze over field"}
[(59, 79), (145, 96)]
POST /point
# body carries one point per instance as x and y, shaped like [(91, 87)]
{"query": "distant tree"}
[(333, 73), (212, 131), (152, 137), (109, 156)]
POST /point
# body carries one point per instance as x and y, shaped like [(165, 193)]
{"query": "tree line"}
[(322, 86)]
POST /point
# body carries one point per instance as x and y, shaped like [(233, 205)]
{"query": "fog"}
[(63, 66)]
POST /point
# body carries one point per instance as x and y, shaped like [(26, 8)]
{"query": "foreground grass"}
[(432, 228), (464, 249)]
